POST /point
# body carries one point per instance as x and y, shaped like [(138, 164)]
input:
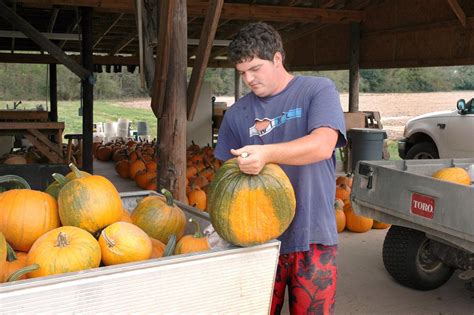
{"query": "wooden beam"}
[(237, 85), (71, 28), (87, 90), (165, 29), (354, 68), (172, 124), (108, 30), (202, 57), (50, 36), (454, 4), (48, 59), (41, 41), (230, 11), (122, 44), (52, 20), (53, 92)]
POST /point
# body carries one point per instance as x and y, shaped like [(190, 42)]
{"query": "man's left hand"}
[(251, 158)]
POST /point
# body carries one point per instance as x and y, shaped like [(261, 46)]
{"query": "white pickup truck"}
[(440, 135)]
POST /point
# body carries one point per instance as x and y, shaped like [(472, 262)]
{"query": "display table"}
[(38, 134)]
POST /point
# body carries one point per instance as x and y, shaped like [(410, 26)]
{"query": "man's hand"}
[(251, 158)]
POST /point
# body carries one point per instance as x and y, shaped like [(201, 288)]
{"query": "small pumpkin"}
[(456, 175), (65, 249), (343, 192), (192, 243), (197, 198), (247, 209), (3, 252), (380, 225), (356, 223), (158, 248), (90, 203), (123, 242), (340, 215), (15, 262), (159, 217)]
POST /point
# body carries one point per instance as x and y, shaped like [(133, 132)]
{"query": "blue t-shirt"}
[(305, 104)]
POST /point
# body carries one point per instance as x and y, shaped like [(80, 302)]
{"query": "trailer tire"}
[(407, 258)]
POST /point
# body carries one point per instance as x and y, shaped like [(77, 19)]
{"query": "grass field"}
[(104, 111)]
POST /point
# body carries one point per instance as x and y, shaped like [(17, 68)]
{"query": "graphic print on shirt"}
[(275, 122)]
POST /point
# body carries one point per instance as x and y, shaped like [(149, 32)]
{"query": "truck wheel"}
[(408, 259), (422, 150)]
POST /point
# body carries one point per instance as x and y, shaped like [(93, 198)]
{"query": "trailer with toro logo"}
[(432, 232)]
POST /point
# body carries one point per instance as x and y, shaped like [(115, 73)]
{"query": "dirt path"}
[(395, 108)]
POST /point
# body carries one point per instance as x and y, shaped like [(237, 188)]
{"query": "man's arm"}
[(317, 146)]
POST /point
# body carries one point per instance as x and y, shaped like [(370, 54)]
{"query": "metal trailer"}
[(232, 280), (432, 231)]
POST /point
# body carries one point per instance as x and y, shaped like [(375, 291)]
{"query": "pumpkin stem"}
[(20, 272), (169, 196), (169, 249), (197, 228), (19, 182), (110, 243), (76, 171), (62, 240), (60, 179), (11, 255)]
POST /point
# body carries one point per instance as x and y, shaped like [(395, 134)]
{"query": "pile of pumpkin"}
[(345, 216), (138, 161), (80, 223)]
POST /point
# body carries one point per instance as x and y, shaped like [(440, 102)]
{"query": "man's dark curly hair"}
[(255, 40)]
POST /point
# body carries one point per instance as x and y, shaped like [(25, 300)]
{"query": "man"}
[(296, 122)]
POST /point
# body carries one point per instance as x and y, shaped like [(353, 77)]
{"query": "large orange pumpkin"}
[(159, 217), (192, 243), (90, 203), (60, 180), (25, 215), (250, 209), (456, 175), (65, 249), (123, 242)]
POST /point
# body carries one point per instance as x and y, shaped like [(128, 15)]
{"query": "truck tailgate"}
[(404, 193)]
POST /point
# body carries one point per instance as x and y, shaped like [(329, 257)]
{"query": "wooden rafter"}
[(44, 43), (122, 44), (202, 57), (230, 11), (454, 4), (48, 59), (108, 29), (72, 28), (52, 20)]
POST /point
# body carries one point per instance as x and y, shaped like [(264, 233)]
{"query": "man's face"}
[(259, 75)]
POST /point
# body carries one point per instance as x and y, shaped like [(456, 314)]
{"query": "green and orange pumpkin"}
[(247, 209), (123, 242), (90, 202), (192, 243), (159, 217)]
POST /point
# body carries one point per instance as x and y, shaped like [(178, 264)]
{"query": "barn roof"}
[(393, 33)]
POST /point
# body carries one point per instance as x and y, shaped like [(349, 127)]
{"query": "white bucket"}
[(110, 129), (99, 127), (123, 128)]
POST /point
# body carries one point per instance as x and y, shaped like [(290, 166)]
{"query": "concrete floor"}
[(364, 286)]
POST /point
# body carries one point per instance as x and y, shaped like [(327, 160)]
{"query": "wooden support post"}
[(165, 29), (237, 85), (87, 90), (354, 68), (45, 44), (202, 57), (53, 92), (172, 123)]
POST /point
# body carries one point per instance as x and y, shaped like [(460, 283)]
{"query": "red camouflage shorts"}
[(311, 280)]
